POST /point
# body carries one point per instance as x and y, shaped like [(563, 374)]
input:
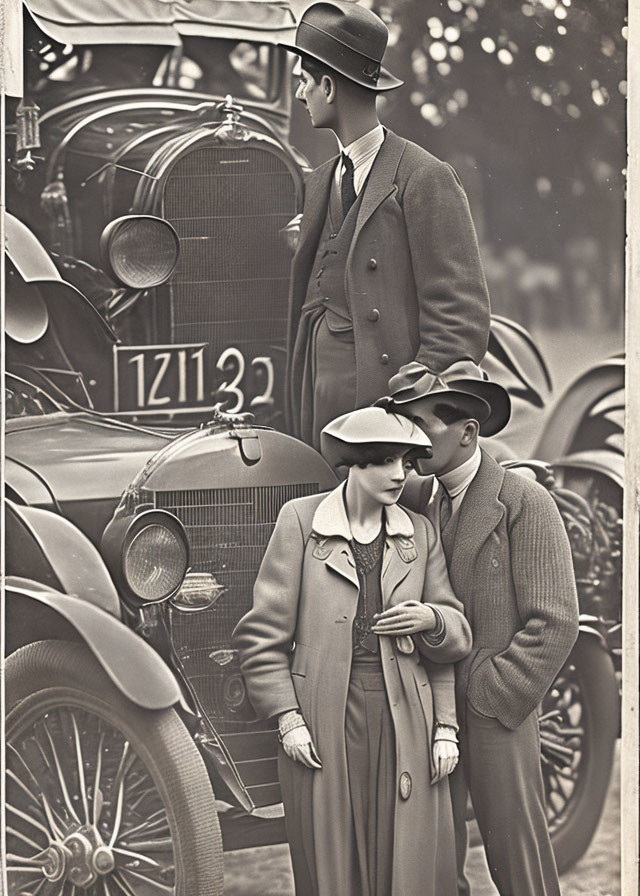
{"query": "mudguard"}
[(45, 540), (582, 397), (132, 665)]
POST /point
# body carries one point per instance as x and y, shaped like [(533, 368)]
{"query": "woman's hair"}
[(365, 453)]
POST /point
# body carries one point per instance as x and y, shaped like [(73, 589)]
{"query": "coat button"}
[(405, 785), (373, 315), (494, 563), (326, 299), (332, 236), (373, 264), (384, 359)]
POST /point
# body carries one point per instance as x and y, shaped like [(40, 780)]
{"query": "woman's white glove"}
[(296, 741), (445, 753), (406, 618)]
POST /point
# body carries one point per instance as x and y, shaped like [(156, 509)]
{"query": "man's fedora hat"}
[(348, 38), (370, 426), (489, 403)]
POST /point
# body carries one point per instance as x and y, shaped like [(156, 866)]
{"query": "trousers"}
[(501, 770)]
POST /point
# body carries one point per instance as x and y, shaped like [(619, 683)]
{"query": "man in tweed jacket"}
[(510, 564)]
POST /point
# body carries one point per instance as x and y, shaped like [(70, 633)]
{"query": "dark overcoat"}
[(510, 564), (413, 279), (306, 595)]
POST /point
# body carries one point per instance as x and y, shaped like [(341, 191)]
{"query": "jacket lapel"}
[(479, 514), (318, 188), (381, 181)]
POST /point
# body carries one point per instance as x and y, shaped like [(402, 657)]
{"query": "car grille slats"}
[(228, 205), (228, 530)]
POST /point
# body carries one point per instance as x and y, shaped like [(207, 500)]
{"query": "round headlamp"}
[(148, 555), (140, 251)]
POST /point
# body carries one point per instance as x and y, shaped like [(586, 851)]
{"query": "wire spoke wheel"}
[(103, 798), (578, 729)]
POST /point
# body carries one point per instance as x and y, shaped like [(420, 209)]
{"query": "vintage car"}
[(152, 161), (131, 552)]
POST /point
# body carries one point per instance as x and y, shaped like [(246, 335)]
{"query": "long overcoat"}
[(295, 649), (413, 278)]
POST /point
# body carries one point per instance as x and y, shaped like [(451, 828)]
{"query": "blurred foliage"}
[(527, 100)]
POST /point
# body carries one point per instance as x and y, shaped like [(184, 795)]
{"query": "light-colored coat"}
[(306, 594), (414, 282)]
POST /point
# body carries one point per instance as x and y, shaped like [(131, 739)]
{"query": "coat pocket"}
[(300, 660), (338, 324)]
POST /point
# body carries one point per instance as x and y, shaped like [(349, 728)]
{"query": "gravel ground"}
[(267, 871)]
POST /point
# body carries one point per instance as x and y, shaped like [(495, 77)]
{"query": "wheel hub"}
[(81, 858)]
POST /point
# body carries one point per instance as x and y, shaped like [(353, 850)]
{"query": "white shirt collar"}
[(364, 147), (458, 481)]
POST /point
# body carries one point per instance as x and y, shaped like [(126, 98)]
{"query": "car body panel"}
[(132, 664)]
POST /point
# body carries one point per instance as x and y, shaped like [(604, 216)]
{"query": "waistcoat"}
[(326, 283)]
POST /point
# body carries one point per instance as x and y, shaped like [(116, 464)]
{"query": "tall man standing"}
[(387, 270)]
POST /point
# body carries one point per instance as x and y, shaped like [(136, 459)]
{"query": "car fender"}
[(130, 662), (40, 540), (556, 440), (597, 460)]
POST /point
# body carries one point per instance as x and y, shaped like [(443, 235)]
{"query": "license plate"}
[(154, 378)]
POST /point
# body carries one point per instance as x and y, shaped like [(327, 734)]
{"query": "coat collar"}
[(479, 514), (330, 519), (332, 533)]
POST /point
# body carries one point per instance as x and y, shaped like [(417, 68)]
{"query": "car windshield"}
[(202, 65), (23, 399)]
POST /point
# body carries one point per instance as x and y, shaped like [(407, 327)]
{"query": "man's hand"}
[(298, 746), (445, 759), (406, 618)]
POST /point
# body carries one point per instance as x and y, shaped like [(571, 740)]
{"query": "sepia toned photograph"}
[(313, 443)]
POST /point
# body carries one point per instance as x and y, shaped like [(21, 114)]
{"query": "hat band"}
[(324, 46)]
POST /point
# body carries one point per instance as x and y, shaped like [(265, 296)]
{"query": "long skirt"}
[(370, 743)]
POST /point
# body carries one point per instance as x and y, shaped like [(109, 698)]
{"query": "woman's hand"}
[(406, 618), (298, 746), (445, 758)]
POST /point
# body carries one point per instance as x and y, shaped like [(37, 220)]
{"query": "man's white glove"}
[(296, 740)]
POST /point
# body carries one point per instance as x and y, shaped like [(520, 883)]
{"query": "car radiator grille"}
[(228, 530), (228, 205)]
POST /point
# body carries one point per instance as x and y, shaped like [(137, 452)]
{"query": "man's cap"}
[(370, 426), (348, 38), (488, 402)]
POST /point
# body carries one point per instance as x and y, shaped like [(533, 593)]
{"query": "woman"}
[(350, 643)]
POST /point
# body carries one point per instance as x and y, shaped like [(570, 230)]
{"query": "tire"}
[(140, 819), (579, 714)]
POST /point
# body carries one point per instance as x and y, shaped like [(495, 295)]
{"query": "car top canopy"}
[(162, 21)]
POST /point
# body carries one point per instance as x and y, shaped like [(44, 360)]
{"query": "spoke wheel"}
[(578, 730), (103, 798)]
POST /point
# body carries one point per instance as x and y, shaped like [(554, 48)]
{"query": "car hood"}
[(78, 457)]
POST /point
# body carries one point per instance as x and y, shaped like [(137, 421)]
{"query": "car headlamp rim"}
[(140, 277), (140, 524)]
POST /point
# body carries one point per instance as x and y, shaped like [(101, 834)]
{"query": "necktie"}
[(445, 507), (347, 187)]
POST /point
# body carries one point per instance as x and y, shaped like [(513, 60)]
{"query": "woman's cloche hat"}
[(368, 426), (489, 402), (347, 37)]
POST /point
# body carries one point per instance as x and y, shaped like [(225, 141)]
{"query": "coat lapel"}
[(381, 180), (479, 514), (332, 534)]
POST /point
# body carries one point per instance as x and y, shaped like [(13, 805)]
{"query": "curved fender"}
[(597, 460), (569, 411), (132, 665), (77, 564), (589, 627)]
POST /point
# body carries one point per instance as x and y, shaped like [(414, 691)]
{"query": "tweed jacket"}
[(510, 564), (295, 647), (413, 279)]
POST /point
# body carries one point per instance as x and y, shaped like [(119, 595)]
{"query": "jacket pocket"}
[(300, 660), (337, 324)]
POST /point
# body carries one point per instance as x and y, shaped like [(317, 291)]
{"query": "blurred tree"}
[(527, 100)]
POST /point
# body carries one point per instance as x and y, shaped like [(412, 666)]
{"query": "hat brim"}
[(386, 81), (494, 396)]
